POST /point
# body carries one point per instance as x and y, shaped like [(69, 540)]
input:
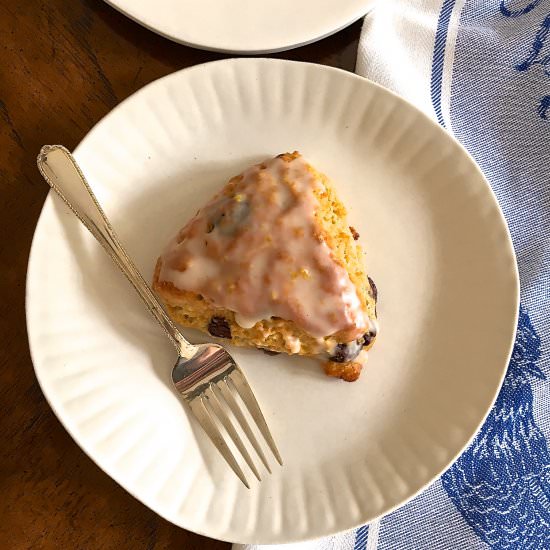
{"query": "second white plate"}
[(244, 26), (437, 246)]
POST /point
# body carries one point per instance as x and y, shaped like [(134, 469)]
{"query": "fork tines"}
[(209, 409)]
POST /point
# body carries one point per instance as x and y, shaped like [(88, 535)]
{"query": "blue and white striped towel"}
[(481, 68)]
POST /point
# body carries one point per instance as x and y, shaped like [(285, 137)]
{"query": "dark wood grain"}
[(64, 65)]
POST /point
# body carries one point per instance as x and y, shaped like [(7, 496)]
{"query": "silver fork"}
[(205, 375)]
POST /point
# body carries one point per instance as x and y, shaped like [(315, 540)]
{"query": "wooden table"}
[(64, 65)]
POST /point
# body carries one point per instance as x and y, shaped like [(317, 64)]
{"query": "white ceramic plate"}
[(244, 26), (438, 248)]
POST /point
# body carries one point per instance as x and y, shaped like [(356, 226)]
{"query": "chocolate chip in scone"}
[(354, 233), (368, 338), (340, 353), (346, 352), (233, 217), (374, 290), (218, 326)]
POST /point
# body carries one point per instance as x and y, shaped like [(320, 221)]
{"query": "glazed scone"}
[(270, 262)]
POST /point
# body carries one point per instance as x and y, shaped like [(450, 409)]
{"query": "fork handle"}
[(61, 171)]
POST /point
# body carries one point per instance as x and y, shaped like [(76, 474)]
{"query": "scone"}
[(270, 262)]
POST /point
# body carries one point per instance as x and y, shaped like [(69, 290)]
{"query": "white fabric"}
[(341, 541)]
